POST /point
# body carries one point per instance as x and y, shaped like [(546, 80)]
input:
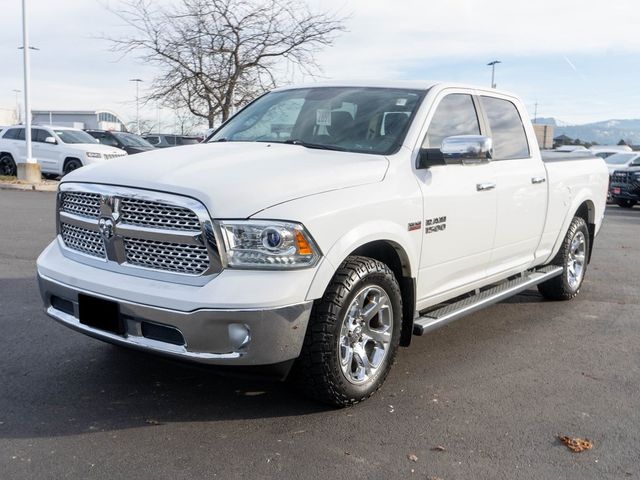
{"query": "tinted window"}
[(38, 135), (455, 115), (131, 140), (105, 138), (186, 141), (12, 133), (74, 136), (507, 130), (152, 140)]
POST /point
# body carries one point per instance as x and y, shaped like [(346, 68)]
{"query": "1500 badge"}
[(436, 224)]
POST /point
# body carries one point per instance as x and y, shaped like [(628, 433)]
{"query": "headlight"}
[(268, 244), (94, 155)]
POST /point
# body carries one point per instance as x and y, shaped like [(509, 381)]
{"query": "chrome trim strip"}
[(206, 236)]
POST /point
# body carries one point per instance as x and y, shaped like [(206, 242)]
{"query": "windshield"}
[(353, 119), (131, 140), (620, 158), (75, 136)]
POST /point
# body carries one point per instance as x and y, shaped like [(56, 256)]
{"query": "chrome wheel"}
[(576, 260), (365, 335)]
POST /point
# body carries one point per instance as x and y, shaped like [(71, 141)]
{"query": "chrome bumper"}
[(211, 336)]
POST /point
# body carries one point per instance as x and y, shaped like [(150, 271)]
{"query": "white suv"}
[(58, 150)]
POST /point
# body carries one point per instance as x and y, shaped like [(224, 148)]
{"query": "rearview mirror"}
[(467, 149), (50, 140)]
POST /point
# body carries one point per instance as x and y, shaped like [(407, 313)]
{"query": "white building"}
[(82, 119)]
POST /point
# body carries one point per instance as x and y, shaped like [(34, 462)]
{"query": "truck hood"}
[(238, 179)]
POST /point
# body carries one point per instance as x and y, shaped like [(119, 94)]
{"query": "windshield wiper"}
[(319, 146)]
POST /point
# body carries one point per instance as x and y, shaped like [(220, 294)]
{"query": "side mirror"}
[(50, 140), (467, 149)]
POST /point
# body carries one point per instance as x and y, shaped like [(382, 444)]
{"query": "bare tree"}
[(215, 55)]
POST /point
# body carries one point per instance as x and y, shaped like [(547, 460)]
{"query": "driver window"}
[(455, 115)]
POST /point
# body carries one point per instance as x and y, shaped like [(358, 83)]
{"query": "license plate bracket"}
[(101, 314)]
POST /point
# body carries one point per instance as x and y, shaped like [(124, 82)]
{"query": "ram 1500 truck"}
[(320, 228)]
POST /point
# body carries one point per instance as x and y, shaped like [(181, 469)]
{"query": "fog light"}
[(239, 335)]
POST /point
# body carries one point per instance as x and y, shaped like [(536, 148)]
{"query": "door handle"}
[(481, 187), (538, 180)]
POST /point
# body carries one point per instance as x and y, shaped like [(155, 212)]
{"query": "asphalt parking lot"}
[(493, 390)]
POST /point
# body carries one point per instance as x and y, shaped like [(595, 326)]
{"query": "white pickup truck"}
[(319, 229)]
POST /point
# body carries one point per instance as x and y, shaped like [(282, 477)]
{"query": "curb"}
[(29, 187)]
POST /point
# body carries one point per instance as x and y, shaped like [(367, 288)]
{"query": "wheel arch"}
[(393, 252), (584, 208), (68, 159)]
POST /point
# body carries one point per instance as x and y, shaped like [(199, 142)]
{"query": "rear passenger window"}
[(12, 133), (507, 130), (455, 115)]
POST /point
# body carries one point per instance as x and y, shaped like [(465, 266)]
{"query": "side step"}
[(442, 315)]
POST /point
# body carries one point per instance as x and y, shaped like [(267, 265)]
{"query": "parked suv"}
[(625, 187), (128, 142), (160, 140), (58, 150)]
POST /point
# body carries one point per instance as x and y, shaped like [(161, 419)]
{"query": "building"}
[(544, 134), (83, 119), (7, 117)]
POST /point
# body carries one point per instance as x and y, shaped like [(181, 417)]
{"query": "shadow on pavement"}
[(56, 382)]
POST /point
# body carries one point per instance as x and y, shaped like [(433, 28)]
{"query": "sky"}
[(578, 61)]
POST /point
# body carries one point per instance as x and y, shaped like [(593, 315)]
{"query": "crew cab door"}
[(521, 187), (459, 205)]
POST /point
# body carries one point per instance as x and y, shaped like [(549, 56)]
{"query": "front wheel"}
[(353, 334), (71, 165), (572, 257)]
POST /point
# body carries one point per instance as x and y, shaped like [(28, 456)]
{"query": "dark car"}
[(625, 187), (161, 140), (129, 142)]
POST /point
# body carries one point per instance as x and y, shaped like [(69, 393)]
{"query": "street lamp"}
[(137, 80), (30, 170), (493, 72), (17, 92)]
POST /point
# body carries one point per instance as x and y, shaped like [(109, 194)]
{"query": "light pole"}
[(30, 170), (137, 80), (493, 72), (17, 92)]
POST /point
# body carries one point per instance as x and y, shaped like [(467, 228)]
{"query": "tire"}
[(345, 356), (50, 176), (8, 166), (572, 257), (71, 165), (624, 203)]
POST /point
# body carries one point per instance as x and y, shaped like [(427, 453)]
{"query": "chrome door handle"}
[(538, 180), (481, 187)]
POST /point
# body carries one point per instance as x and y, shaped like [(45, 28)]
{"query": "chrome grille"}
[(157, 215), (81, 203), (82, 240), (144, 233), (111, 156), (173, 257)]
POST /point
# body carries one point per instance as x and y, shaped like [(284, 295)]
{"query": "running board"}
[(443, 315)]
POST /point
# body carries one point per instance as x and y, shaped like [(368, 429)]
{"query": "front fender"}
[(358, 236)]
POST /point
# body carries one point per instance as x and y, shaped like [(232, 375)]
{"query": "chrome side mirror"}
[(50, 140), (467, 149)]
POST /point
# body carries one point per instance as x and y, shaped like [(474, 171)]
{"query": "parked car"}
[(160, 140), (605, 151), (620, 161), (126, 141), (625, 186), (382, 212), (58, 150)]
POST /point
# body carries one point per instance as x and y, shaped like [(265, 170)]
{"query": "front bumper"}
[(248, 337)]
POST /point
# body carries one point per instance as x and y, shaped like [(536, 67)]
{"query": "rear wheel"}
[(71, 165), (353, 334), (624, 203), (7, 165), (572, 257)]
